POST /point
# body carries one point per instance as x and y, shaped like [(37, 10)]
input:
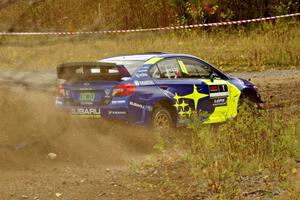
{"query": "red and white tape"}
[(151, 29)]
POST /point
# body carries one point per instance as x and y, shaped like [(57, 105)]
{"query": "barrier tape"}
[(151, 29)]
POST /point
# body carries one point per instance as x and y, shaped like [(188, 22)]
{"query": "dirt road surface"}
[(93, 158)]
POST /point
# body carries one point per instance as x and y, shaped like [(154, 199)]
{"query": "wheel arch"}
[(251, 94), (169, 105)]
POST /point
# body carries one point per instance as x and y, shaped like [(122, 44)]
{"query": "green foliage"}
[(76, 15), (256, 142), (219, 161)]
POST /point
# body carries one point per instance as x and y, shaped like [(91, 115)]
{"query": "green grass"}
[(254, 152), (267, 46)]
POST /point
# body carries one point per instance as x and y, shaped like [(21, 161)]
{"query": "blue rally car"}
[(158, 90)]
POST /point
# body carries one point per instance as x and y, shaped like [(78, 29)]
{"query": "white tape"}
[(150, 29)]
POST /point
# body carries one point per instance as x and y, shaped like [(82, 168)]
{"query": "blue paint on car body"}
[(129, 87)]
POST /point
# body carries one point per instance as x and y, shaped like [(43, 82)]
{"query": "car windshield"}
[(130, 65)]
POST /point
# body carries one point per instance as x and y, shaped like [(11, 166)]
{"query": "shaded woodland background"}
[(74, 15)]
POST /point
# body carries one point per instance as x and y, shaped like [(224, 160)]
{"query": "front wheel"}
[(249, 101), (162, 119)]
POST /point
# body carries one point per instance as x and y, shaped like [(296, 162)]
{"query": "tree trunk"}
[(267, 13)]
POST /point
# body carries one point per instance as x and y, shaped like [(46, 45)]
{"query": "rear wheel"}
[(162, 120)]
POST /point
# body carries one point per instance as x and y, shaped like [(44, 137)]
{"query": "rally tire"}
[(249, 100), (162, 120)]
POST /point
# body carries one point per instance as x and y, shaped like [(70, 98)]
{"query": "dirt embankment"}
[(92, 157)]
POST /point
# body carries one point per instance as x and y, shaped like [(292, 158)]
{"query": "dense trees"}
[(107, 14), (214, 10), (145, 13)]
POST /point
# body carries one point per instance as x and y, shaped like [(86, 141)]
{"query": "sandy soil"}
[(93, 159)]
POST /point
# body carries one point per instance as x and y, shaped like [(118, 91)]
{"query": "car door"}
[(217, 87), (190, 95)]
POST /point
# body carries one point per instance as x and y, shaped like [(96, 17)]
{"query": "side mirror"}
[(212, 77)]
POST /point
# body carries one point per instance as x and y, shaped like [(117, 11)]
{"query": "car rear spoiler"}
[(89, 71)]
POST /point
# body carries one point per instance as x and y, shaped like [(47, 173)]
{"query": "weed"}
[(242, 154)]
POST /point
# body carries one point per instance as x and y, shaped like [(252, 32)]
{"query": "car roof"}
[(144, 56)]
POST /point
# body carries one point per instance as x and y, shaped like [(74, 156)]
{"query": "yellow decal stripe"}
[(233, 100), (219, 115), (153, 61), (222, 113), (183, 67)]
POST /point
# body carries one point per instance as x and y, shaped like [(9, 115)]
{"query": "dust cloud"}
[(31, 127)]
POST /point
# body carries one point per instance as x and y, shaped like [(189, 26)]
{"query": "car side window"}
[(192, 68), (169, 68), (154, 72)]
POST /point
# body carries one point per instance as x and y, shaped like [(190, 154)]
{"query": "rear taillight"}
[(60, 91), (124, 90)]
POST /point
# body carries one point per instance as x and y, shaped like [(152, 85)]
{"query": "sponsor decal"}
[(168, 93), (213, 88), (147, 82), (218, 88), (112, 112), (144, 67), (219, 102), (219, 94), (107, 92), (137, 83), (118, 102), (67, 93), (86, 103), (58, 102), (182, 107), (85, 89), (139, 75), (143, 71), (224, 88), (136, 105), (125, 78), (86, 111)]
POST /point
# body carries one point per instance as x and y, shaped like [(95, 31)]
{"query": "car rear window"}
[(130, 65)]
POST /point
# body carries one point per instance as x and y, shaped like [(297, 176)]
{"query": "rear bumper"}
[(120, 109)]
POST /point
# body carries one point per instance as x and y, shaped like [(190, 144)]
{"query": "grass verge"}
[(265, 46), (252, 156)]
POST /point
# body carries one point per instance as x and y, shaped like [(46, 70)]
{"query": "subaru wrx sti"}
[(158, 90)]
